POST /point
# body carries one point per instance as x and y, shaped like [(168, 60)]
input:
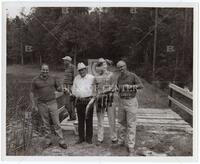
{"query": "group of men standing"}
[(83, 91)]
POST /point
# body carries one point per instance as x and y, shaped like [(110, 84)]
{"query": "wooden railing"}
[(185, 93)]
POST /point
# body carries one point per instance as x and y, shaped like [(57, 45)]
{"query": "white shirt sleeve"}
[(74, 87)]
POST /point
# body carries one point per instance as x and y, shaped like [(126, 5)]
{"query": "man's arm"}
[(74, 87), (138, 83), (58, 85)]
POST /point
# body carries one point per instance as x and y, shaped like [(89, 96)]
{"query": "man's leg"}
[(53, 108), (45, 116), (73, 112), (112, 123), (81, 121), (89, 125), (122, 124), (68, 106), (100, 129), (131, 109)]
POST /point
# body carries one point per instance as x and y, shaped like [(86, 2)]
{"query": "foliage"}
[(113, 33)]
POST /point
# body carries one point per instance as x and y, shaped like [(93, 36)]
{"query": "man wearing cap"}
[(43, 99), (83, 90), (68, 81), (105, 91), (128, 83)]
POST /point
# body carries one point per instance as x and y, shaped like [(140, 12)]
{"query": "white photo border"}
[(103, 3)]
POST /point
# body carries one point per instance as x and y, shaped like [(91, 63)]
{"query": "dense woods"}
[(156, 43)]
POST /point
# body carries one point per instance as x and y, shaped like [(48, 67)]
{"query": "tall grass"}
[(19, 127)]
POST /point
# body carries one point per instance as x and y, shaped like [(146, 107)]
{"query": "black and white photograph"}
[(99, 80)]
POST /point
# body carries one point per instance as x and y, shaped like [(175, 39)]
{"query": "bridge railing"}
[(183, 92)]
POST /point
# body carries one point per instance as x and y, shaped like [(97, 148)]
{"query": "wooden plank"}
[(181, 105), (181, 91), (158, 118), (163, 125), (162, 121), (152, 110)]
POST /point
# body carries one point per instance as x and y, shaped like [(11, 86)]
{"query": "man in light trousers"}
[(128, 83), (105, 92)]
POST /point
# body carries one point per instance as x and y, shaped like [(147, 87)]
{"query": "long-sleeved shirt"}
[(83, 86), (69, 75), (128, 78)]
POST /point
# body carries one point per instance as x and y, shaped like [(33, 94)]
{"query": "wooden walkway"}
[(155, 118)]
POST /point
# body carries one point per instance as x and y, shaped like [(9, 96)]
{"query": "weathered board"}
[(151, 117)]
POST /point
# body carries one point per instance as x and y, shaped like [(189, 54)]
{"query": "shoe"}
[(99, 143), (71, 119), (79, 141), (63, 145), (115, 142), (47, 144), (118, 144), (89, 141)]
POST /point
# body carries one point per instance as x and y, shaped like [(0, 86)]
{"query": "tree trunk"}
[(155, 42)]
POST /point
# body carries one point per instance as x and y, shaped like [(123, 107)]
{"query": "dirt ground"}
[(148, 142)]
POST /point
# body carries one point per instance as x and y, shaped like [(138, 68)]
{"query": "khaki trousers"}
[(112, 124), (127, 121), (49, 111)]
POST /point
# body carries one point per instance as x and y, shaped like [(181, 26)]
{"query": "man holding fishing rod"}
[(104, 101)]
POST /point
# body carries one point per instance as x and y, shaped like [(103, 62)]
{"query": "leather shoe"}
[(89, 141), (99, 143), (115, 142), (47, 144), (63, 145)]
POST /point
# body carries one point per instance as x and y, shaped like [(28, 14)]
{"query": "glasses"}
[(121, 67)]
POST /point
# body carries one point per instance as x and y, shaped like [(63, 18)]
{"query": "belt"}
[(84, 98), (127, 98)]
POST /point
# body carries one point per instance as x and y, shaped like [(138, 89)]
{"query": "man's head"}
[(121, 65), (44, 70), (82, 69), (67, 60), (102, 64)]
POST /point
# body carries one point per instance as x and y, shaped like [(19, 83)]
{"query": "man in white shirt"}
[(83, 89)]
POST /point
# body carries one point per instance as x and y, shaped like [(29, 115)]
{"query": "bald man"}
[(128, 83)]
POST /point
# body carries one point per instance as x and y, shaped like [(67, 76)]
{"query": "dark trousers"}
[(84, 125)]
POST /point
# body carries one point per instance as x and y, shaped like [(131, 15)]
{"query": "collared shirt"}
[(69, 74), (128, 78), (83, 86), (44, 88)]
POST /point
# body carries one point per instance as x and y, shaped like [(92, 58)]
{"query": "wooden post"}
[(170, 94), (21, 44), (75, 56), (155, 41)]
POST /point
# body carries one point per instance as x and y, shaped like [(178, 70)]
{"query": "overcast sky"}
[(14, 9)]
